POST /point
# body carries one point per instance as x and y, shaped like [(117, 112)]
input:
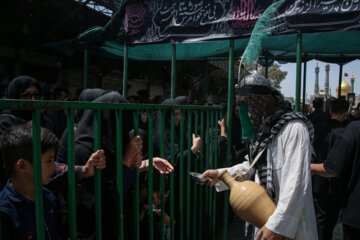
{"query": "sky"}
[(288, 84)]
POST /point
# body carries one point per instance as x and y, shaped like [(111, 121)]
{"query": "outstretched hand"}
[(212, 176), (132, 157), (96, 160), (162, 165), (196, 144)]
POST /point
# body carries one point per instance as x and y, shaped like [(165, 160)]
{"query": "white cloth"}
[(290, 154)]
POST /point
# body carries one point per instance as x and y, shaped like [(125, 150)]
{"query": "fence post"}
[(119, 170), (39, 205), (151, 176), (71, 175), (97, 146)]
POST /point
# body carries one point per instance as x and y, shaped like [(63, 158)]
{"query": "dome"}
[(345, 89)]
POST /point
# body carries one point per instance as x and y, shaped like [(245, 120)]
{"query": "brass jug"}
[(248, 199)]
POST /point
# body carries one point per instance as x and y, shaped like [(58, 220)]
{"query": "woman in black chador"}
[(23, 88)]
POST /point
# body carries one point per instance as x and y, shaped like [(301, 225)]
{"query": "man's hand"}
[(212, 175), (162, 165), (97, 159), (266, 234), (132, 156), (196, 144)]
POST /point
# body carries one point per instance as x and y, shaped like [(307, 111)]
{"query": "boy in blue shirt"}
[(17, 207)]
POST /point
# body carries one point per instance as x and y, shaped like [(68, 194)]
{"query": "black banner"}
[(152, 21)]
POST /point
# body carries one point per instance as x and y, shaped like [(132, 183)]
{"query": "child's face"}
[(47, 165), (157, 197)]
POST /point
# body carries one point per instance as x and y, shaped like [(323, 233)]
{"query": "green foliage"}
[(275, 75)]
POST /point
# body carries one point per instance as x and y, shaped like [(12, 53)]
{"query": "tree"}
[(275, 75)]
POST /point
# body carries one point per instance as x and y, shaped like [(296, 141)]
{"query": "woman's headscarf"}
[(84, 136), (19, 84), (89, 95)]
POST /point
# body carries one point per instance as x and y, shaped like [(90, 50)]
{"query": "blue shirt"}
[(18, 215)]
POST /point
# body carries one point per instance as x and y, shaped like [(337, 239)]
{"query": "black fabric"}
[(344, 162), (318, 116), (86, 95), (254, 89), (19, 84), (350, 233)]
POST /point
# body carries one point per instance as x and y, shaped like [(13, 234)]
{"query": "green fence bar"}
[(39, 205), (125, 70), (162, 187), (298, 71), (172, 176), (229, 124), (181, 187), (207, 162), (195, 188), (97, 146), (119, 170), (86, 69), (340, 79), (137, 183), (71, 175), (188, 186), (210, 159), (201, 170), (151, 175), (304, 86), (173, 70)]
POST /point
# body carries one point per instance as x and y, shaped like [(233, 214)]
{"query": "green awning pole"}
[(304, 86), (86, 62), (229, 124), (125, 70), (181, 191), (298, 71), (340, 77), (266, 68), (205, 82), (71, 175), (97, 146), (173, 70), (162, 181), (119, 170), (213, 225), (150, 177), (39, 205)]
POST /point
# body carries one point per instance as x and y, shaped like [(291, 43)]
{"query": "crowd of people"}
[(294, 153)]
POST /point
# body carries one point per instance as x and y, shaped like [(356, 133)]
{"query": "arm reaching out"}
[(160, 164), (98, 160)]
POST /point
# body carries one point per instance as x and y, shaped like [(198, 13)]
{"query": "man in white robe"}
[(284, 169)]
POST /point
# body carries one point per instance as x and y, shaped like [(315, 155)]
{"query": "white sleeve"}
[(294, 182), (238, 169)]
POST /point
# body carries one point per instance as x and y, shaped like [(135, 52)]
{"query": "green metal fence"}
[(196, 212)]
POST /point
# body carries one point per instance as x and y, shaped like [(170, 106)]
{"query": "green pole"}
[(137, 182), (205, 81), (119, 177), (39, 205), (172, 176), (213, 228), (304, 85), (162, 183), (229, 124), (298, 71), (125, 70), (340, 77), (173, 70), (97, 146), (201, 170), (181, 201), (71, 175), (151, 176), (195, 189), (188, 186), (86, 62)]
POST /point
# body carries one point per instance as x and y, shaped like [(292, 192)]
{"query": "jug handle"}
[(241, 177)]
